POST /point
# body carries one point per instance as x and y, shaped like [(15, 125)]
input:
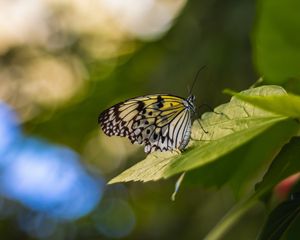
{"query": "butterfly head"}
[(191, 102)]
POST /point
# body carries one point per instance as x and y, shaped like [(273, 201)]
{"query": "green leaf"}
[(150, 169), (241, 166), (285, 164), (277, 40), (280, 219), (238, 124), (293, 230), (213, 150), (286, 105)]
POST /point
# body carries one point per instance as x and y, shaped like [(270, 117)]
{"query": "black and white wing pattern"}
[(160, 122)]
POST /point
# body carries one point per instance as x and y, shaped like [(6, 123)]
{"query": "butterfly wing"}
[(160, 122)]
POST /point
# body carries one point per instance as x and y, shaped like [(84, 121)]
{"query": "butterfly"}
[(161, 122)]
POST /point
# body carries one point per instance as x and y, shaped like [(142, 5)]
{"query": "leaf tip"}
[(113, 181), (229, 91)]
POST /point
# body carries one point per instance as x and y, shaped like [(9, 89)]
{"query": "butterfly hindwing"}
[(160, 122)]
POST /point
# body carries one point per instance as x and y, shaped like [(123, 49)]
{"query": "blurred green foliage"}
[(168, 65), (277, 40)]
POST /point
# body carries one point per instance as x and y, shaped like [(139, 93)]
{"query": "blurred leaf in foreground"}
[(281, 218), (277, 40), (285, 164)]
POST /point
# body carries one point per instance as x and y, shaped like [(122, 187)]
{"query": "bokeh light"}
[(37, 224), (115, 219), (47, 178), (145, 19), (9, 130), (28, 17), (99, 145), (51, 81)]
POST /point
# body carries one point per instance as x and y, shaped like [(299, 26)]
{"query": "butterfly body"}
[(161, 121)]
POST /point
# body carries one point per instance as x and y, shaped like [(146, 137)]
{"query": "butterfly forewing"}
[(160, 122)]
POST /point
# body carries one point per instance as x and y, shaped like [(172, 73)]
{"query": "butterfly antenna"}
[(188, 88), (190, 92)]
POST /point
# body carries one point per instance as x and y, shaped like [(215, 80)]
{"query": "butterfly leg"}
[(202, 126), (201, 139), (175, 150)]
